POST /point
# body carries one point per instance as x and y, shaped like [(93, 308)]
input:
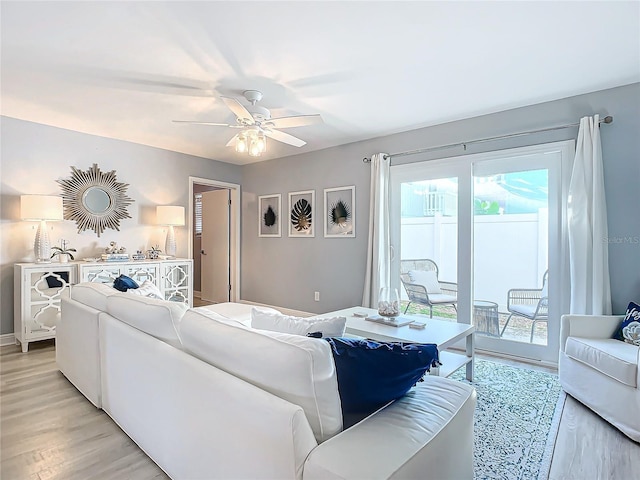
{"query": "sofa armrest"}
[(411, 438), (587, 326), (77, 348)]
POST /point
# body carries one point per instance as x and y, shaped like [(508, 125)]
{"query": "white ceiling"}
[(125, 70)]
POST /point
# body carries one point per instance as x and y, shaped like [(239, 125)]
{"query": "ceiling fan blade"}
[(284, 138), (195, 122), (295, 121), (232, 142), (238, 109)]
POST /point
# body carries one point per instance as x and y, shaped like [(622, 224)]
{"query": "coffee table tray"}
[(393, 321)]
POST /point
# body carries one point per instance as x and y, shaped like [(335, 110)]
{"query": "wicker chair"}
[(418, 293), (531, 303)]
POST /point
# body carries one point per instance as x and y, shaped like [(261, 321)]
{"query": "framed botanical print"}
[(340, 212), (301, 214), (269, 215)]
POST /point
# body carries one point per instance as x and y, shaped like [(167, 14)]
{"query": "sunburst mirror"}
[(95, 200)]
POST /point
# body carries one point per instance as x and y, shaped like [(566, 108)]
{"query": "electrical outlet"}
[(316, 296)]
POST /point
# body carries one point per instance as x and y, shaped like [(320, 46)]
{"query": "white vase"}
[(63, 258)]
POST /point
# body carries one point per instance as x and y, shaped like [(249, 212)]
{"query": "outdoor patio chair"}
[(530, 303), (420, 281)]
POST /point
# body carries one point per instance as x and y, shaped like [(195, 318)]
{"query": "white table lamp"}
[(40, 208), (170, 216)]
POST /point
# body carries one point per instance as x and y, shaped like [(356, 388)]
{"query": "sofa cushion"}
[(93, 295), (442, 298), (276, 322), (372, 374), (632, 316), (158, 318), (147, 289), (240, 312), (427, 278), (615, 359), (295, 368), (124, 283)]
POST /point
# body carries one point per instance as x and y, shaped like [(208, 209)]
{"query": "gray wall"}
[(34, 156), (286, 271)]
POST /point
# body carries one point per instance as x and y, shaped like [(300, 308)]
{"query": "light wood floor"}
[(49, 431)]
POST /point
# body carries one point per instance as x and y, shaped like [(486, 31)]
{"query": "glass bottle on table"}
[(388, 302)]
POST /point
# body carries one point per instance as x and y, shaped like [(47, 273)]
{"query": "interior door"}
[(215, 253)]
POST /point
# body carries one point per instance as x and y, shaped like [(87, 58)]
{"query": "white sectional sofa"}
[(601, 372), (208, 397)]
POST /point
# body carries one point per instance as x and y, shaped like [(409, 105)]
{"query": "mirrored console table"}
[(39, 288)]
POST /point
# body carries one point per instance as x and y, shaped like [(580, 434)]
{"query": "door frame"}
[(234, 228), (462, 167)]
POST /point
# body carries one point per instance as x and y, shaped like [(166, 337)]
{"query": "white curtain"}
[(587, 215), (378, 255)]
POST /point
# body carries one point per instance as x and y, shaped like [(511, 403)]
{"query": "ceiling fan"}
[(255, 123)]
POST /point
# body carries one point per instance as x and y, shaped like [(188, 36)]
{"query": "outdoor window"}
[(197, 209)]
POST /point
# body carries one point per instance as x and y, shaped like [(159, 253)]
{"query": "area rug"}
[(516, 421)]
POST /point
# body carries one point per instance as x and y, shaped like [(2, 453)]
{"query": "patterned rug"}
[(515, 422)]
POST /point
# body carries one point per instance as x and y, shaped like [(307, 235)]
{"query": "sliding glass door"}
[(492, 226)]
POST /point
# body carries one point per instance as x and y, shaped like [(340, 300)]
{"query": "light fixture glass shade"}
[(41, 208), (254, 148), (262, 143), (241, 143)]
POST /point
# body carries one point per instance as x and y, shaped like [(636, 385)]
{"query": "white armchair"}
[(601, 372)]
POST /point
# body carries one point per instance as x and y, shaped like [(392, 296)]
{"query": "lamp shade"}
[(170, 215), (41, 207)]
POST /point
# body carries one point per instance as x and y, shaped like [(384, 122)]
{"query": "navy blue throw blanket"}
[(371, 374)]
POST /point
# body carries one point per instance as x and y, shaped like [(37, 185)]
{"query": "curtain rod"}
[(607, 119)]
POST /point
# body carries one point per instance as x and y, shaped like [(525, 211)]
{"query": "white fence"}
[(509, 251)]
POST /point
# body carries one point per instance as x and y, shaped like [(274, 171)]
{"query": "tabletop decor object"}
[(64, 252), (389, 302), (170, 215), (154, 253), (114, 253), (41, 208)]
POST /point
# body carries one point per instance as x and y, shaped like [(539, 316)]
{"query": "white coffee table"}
[(443, 334)]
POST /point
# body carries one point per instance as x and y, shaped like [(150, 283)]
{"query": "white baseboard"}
[(286, 311), (7, 339)]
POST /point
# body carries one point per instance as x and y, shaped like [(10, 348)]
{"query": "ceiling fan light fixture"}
[(262, 143), (254, 147), (255, 124), (241, 143)]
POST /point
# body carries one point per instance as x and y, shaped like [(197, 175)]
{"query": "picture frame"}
[(269, 221), (301, 214), (340, 212)]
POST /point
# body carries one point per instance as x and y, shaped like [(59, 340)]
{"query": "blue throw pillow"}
[(632, 315), (124, 283), (372, 374)]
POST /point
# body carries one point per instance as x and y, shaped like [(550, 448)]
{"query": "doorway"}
[(217, 278), (494, 226)]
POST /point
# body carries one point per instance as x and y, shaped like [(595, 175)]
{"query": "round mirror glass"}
[(96, 200)]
